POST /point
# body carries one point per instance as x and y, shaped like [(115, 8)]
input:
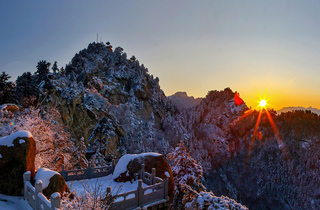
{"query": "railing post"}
[(142, 172), (153, 175), (113, 165), (26, 179), (55, 200), (38, 188), (89, 171), (108, 191), (140, 193), (64, 173), (166, 187)]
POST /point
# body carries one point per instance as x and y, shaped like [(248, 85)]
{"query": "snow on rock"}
[(121, 166), (8, 140), (55, 195), (21, 141), (0, 156), (10, 107), (209, 199), (167, 174), (45, 175)]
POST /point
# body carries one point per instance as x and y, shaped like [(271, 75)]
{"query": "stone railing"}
[(35, 197), (157, 192), (87, 173), (154, 194)]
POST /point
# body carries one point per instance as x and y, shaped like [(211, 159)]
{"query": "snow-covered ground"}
[(100, 185), (13, 203)]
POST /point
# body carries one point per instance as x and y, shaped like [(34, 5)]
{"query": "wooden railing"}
[(35, 197), (87, 173), (157, 191)]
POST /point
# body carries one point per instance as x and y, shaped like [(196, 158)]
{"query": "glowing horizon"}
[(253, 47)]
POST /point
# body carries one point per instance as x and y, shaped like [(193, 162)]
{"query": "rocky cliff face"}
[(278, 173), (102, 83), (210, 124), (115, 104)]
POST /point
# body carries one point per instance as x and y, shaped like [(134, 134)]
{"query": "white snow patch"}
[(124, 160), (0, 156), (13, 203), (8, 140), (21, 141), (55, 195), (92, 185), (45, 174), (167, 174)]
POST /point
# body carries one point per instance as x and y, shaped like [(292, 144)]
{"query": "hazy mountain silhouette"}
[(287, 109), (182, 99)]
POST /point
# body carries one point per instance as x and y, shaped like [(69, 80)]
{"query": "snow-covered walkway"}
[(13, 203), (100, 185)]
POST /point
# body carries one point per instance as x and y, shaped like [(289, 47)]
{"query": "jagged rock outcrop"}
[(102, 83), (17, 155), (106, 136), (212, 127)]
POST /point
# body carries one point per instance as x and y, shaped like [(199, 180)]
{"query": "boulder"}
[(10, 107), (17, 155), (128, 168), (52, 182)]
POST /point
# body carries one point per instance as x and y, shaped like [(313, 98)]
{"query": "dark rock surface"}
[(151, 161), (18, 153), (52, 182), (57, 184)]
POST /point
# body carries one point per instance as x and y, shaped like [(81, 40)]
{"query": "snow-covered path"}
[(13, 203), (101, 184)]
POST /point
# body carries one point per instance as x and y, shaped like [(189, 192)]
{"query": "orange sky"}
[(257, 48)]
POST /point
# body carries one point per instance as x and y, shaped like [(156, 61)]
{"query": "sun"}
[(263, 103)]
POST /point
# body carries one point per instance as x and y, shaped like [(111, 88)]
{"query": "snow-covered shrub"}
[(54, 147), (97, 160), (80, 155), (90, 199), (190, 192), (186, 173), (185, 169), (207, 200)]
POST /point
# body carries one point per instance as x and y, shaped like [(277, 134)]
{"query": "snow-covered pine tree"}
[(6, 89), (62, 71), (25, 87), (55, 68), (80, 155), (42, 70), (97, 159)]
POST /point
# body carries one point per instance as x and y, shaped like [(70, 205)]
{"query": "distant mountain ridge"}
[(292, 108), (182, 99)]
